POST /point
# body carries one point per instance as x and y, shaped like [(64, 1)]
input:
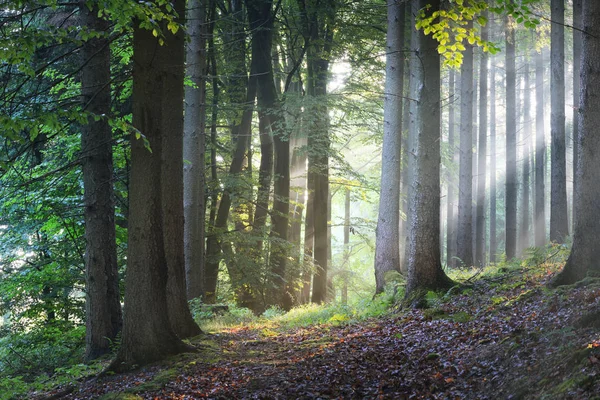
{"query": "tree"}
[(577, 39), (559, 227), (525, 181), (540, 151), (511, 142), (482, 154), (493, 206), (194, 149), (451, 201), (464, 237), (147, 331), (424, 258), (585, 251), (103, 299), (387, 250)]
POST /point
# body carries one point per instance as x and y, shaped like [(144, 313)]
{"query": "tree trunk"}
[(346, 262), (524, 241), (482, 155), (147, 332), (172, 95), (387, 241), (511, 143), (265, 175), (424, 258), (103, 306), (493, 150), (464, 238), (585, 251), (559, 228), (577, 40), (540, 152), (451, 200), (261, 24), (194, 148)]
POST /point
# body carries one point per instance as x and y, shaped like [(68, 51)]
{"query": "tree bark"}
[(464, 238), (511, 143), (585, 251), (424, 258), (194, 149), (577, 40), (103, 306), (559, 228), (524, 236), (540, 152), (387, 240), (451, 200), (482, 154), (493, 182), (172, 95), (147, 332)]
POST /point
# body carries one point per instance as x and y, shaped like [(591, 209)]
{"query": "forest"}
[(288, 199)]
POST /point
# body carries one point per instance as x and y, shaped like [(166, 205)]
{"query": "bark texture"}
[(585, 252), (387, 241), (147, 332), (482, 155), (424, 258), (194, 150), (464, 237), (511, 144), (540, 154), (559, 228), (451, 201), (103, 306)]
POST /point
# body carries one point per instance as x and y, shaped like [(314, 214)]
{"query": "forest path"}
[(506, 337)]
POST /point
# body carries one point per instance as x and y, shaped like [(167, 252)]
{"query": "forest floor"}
[(502, 336)]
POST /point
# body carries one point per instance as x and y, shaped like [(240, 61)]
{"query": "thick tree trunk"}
[(511, 143), (387, 241), (451, 200), (103, 306), (172, 95), (464, 238), (540, 152), (585, 251), (493, 150), (147, 332), (482, 155), (424, 258), (194, 149), (559, 227)]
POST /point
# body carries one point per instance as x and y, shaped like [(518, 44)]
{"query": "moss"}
[(461, 317), (158, 381)]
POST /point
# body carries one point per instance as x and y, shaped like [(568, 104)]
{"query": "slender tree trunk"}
[(464, 244), (524, 237), (482, 154), (387, 241), (194, 148), (346, 262), (577, 40), (451, 200), (265, 176), (585, 251), (511, 144), (559, 227), (424, 258), (493, 150), (148, 334), (540, 152), (103, 306)]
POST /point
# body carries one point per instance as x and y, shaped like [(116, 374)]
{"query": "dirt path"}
[(499, 340)]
